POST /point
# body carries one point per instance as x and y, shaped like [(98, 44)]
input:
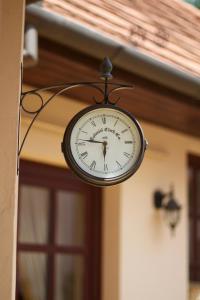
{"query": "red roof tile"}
[(166, 30)]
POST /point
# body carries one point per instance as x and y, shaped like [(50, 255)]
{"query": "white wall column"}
[(11, 36)]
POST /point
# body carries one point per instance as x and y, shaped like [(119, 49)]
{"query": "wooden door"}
[(59, 235)]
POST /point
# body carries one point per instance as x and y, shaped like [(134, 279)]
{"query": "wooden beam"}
[(30, 1), (148, 101)]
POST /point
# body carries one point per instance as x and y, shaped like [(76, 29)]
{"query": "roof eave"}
[(57, 28)]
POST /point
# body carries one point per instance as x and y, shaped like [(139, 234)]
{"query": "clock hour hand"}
[(92, 141)]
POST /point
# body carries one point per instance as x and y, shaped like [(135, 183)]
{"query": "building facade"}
[(138, 256)]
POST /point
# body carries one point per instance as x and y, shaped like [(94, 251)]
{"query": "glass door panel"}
[(191, 191), (33, 216), (71, 214), (191, 240), (69, 277), (198, 241), (198, 193), (32, 276)]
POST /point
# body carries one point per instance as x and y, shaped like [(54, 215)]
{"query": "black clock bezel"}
[(94, 180)]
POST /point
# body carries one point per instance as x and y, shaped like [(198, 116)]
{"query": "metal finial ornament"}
[(56, 90), (106, 68)]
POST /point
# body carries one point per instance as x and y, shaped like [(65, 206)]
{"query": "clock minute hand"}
[(92, 141), (104, 149)]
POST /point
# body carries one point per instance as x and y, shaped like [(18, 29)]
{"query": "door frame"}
[(40, 174)]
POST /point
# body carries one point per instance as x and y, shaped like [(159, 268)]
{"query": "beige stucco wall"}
[(11, 33), (153, 262), (141, 259)]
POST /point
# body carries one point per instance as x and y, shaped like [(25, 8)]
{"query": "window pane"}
[(33, 216), (69, 277), (197, 277), (198, 241), (32, 276), (198, 192), (191, 191), (191, 241), (71, 218)]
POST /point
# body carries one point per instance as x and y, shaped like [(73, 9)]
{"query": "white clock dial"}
[(105, 143)]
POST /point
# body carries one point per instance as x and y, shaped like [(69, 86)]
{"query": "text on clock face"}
[(105, 143), (106, 130)]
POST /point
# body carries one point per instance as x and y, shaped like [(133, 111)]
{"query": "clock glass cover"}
[(104, 145)]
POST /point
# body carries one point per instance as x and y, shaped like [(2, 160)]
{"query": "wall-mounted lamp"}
[(171, 207)]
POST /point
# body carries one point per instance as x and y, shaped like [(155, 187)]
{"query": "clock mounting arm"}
[(39, 99)]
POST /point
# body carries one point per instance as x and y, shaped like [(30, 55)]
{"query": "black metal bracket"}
[(105, 88), (170, 205), (158, 198)]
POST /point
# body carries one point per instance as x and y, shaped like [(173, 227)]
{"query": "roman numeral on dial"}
[(104, 120), (93, 123), (93, 165), (84, 154), (127, 154), (128, 142), (81, 144), (118, 164), (105, 167), (116, 122), (125, 130)]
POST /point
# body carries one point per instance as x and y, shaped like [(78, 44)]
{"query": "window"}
[(194, 217), (58, 235)]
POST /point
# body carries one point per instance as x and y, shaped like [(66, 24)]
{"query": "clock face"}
[(104, 145)]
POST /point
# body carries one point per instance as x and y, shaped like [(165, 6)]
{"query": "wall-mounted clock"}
[(104, 145)]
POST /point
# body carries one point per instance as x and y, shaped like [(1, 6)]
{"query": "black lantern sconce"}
[(171, 207)]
